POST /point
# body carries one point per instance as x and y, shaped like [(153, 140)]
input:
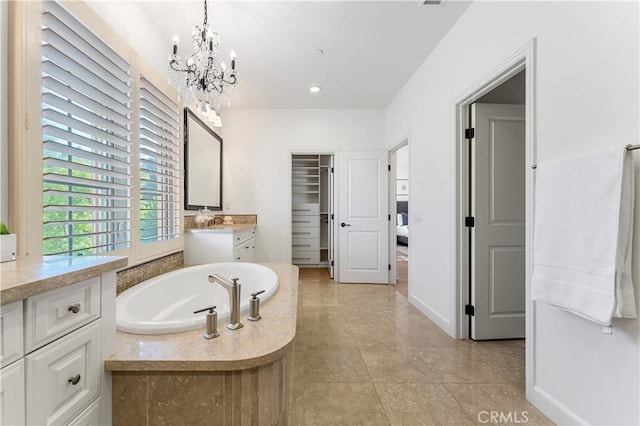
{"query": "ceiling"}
[(371, 48)]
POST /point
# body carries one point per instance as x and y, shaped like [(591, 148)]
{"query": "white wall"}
[(257, 151), (4, 132), (587, 98)]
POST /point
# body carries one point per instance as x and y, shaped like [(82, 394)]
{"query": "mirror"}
[(202, 164)]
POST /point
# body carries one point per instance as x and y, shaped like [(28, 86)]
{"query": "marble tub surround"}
[(254, 396), (253, 345), (129, 277), (238, 219), (29, 276), (240, 377)]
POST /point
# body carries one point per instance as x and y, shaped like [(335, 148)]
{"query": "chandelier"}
[(201, 77)]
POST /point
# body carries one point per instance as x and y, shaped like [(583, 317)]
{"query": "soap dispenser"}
[(254, 306), (212, 322)]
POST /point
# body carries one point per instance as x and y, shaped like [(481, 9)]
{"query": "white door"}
[(498, 234), (363, 218)]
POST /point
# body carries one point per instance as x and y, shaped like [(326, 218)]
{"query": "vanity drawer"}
[(305, 232), (244, 252), (241, 236), (55, 313), (305, 209), (89, 417), (11, 333), (64, 377), (305, 221), (305, 257), (306, 244)]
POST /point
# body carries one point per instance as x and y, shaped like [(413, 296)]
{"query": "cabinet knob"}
[(75, 308), (74, 380)]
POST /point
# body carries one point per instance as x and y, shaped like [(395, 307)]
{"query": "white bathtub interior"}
[(165, 304)]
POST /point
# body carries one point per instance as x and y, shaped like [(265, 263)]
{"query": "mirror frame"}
[(188, 113)]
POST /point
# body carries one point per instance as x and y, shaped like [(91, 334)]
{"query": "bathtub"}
[(165, 304)]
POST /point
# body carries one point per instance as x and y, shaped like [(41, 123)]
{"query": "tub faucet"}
[(233, 288)]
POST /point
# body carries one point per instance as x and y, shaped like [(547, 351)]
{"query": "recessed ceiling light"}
[(315, 89)]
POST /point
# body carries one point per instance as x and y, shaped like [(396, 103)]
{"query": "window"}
[(109, 167), (86, 121), (159, 165)]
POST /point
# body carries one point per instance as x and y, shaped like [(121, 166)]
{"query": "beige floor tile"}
[(459, 365), (349, 404), (420, 404), (505, 402), (383, 335), (428, 338), (334, 364), (396, 365)]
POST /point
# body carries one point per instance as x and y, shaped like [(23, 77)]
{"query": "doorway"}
[(399, 217), (312, 211), (522, 65)]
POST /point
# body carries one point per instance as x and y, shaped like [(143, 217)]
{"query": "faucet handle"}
[(256, 293), (254, 306), (212, 322), (210, 309)]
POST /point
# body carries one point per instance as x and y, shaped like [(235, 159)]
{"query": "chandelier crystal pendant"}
[(201, 77)]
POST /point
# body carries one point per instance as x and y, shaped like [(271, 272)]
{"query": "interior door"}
[(498, 234), (363, 219)]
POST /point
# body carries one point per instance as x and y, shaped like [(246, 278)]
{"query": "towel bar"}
[(629, 148)]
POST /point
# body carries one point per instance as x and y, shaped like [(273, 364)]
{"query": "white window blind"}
[(159, 165), (86, 122)]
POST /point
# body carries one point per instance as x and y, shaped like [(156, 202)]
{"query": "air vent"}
[(430, 2)]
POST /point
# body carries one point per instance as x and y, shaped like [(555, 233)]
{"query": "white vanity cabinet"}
[(221, 244), (54, 344)]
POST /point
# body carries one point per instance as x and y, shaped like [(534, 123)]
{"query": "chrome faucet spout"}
[(233, 288)]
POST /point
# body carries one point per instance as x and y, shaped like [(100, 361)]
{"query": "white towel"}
[(583, 229)]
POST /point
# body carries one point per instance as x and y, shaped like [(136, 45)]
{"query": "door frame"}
[(523, 59), (393, 273), (334, 154)]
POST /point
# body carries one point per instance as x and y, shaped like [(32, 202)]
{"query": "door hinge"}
[(389, 167), (389, 218), (469, 133), (332, 263), (469, 222), (331, 216), (332, 170), (469, 310), (389, 266), (27, 121)]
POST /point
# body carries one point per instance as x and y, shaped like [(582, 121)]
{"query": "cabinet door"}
[(12, 394), (64, 377), (11, 333)]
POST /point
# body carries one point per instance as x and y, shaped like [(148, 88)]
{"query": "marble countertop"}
[(255, 344), (28, 276), (220, 228)]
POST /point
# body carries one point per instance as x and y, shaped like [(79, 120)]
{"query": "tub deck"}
[(256, 344)]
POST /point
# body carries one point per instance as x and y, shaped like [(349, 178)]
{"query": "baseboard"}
[(554, 409), (432, 314)]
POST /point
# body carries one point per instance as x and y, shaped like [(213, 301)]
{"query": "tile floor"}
[(365, 356)]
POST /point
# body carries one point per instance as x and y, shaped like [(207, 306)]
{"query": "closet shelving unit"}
[(311, 210)]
